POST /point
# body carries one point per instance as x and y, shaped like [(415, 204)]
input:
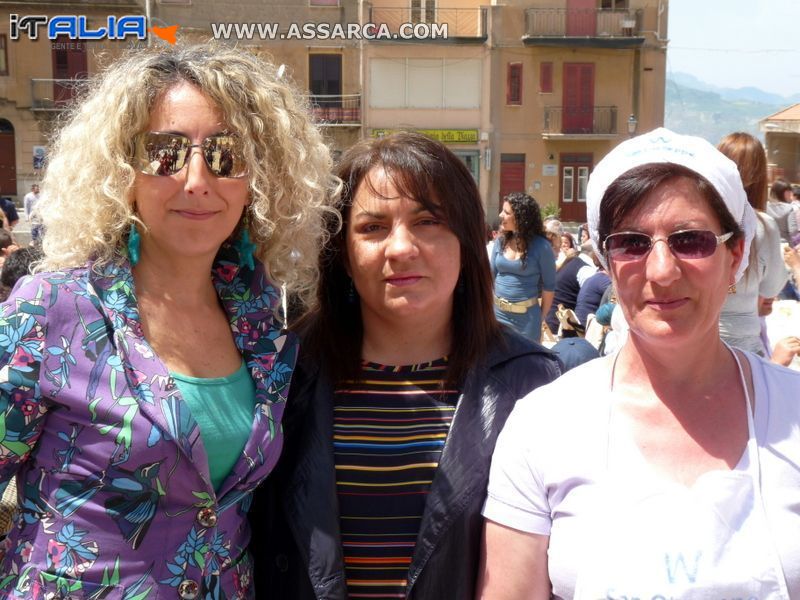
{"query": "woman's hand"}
[(785, 350), (513, 565)]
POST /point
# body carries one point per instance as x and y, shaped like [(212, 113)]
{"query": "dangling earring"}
[(732, 288), (244, 246), (134, 241)]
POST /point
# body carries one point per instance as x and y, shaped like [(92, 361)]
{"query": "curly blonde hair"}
[(87, 201)]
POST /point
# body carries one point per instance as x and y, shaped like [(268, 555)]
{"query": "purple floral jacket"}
[(114, 491)]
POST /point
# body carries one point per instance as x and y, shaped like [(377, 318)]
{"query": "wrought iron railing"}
[(581, 121), (342, 109), (54, 94), (442, 23), (582, 22)]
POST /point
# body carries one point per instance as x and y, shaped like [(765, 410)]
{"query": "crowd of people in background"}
[(16, 259), (578, 306)]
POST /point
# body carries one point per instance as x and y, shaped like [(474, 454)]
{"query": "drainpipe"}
[(637, 82), (361, 19), (147, 17), (662, 6)]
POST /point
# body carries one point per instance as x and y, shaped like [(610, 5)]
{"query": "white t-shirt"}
[(551, 456)]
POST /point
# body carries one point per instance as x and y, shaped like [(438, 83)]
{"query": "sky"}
[(737, 43)]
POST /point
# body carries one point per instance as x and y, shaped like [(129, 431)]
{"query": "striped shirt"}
[(389, 429)]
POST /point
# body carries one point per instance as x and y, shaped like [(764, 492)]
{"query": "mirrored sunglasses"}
[(686, 244), (158, 153)]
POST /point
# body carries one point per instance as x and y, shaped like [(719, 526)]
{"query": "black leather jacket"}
[(295, 516)]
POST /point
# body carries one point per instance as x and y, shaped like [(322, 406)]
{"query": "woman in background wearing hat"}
[(671, 468)]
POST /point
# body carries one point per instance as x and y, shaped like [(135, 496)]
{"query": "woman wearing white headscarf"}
[(670, 469)]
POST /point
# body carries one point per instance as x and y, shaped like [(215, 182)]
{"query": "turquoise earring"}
[(245, 247), (133, 245)]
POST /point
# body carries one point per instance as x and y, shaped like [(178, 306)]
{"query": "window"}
[(567, 185), (69, 64), (423, 11), (575, 168), (583, 180), (325, 85), (325, 74), (514, 84), (3, 55), (425, 83), (470, 158), (614, 4), (546, 78)]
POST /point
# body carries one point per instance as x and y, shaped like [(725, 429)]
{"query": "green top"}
[(223, 409)]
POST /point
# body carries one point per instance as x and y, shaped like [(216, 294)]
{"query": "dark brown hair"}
[(779, 187), (427, 172), (625, 195), (748, 154), (528, 217)]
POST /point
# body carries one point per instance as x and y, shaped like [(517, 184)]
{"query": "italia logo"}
[(76, 27)]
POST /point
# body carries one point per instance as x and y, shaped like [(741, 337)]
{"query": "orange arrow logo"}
[(166, 33)]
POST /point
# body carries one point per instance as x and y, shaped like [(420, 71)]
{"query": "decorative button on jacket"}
[(116, 499)]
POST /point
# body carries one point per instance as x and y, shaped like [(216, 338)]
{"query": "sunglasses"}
[(164, 154), (689, 243)]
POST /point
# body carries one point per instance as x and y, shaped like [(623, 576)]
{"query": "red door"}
[(8, 160), (578, 98), (581, 18), (512, 175), (69, 62)]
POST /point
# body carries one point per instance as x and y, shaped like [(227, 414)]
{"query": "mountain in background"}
[(698, 108), (746, 93)]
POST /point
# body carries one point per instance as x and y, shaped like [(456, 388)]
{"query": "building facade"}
[(39, 78), (529, 93), (782, 143)]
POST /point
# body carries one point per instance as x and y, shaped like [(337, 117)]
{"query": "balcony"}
[(562, 122), (442, 25), (54, 94), (336, 110), (589, 27)]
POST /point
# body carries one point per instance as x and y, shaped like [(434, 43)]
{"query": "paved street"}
[(22, 231)]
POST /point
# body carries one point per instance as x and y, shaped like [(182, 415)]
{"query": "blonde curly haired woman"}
[(144, 372)]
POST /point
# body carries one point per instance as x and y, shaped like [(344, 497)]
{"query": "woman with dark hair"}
[(523, 267), (583, 234), (780, 208), (671, 468), (403, 385), (739, 322)]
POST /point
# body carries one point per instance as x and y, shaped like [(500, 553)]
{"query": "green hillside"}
[(709, 115)]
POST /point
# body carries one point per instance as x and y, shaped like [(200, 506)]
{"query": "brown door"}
[(574, 170), (581, 18), (69, 62), (8, 160), (578, 98), (512, 175)]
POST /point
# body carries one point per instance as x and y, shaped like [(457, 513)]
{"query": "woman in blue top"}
[(523, 267)]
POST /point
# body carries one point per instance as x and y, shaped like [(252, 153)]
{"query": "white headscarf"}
[(664, 146)]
